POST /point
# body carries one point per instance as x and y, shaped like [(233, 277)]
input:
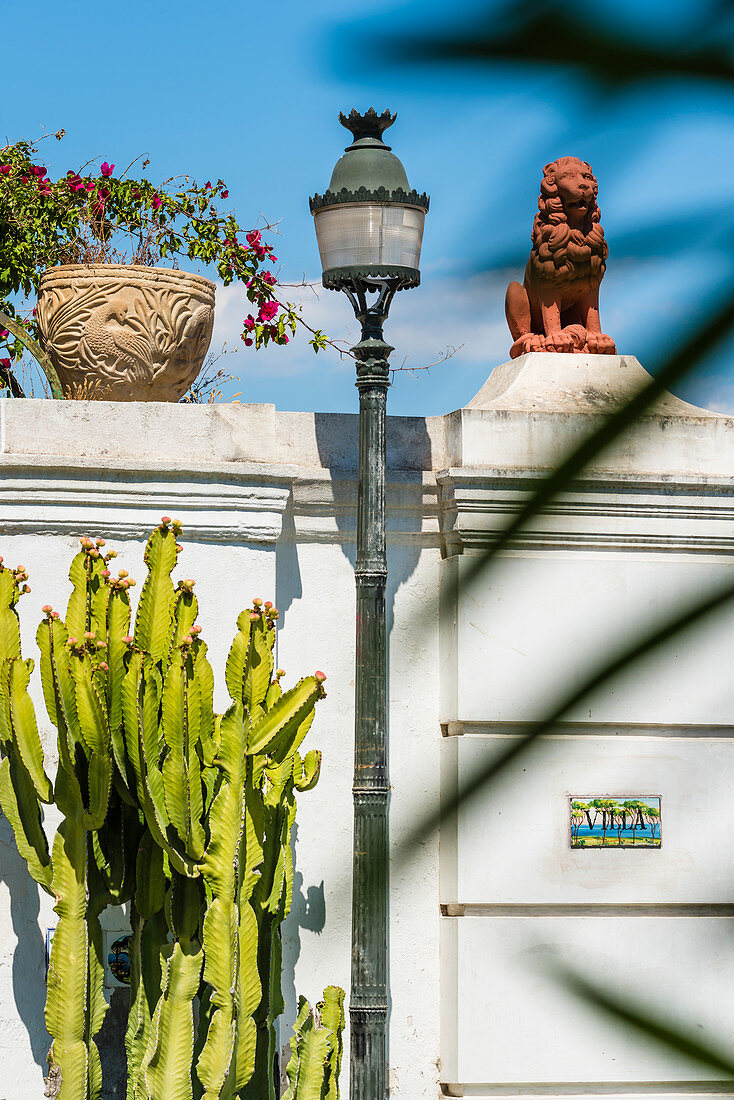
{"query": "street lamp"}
[(369, 227)]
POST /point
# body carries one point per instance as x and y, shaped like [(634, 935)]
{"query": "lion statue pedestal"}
[(557, 307)]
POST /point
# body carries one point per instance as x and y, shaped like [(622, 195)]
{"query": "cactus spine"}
[(184, 813)]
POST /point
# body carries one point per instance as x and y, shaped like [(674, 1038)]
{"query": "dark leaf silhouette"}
[(627, 655), (550, 35), (646, 1020)]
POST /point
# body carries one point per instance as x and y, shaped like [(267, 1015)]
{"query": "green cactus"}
[(316, 1045), (184, 813)]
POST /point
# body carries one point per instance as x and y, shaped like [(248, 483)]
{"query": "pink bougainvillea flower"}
[(37, 170), (208, 185), (248, 343), (90, 185), (107, 169), (6, 169), (253, 237), (225, 194), (267, 311), (273, 259), (104, 193), (269, 278), (249, 322), (3, 333), (156, 202), (4, 363)]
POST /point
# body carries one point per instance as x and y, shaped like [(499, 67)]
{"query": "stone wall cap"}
[(573, 383)]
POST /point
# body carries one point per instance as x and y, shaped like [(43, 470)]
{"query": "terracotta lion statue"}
[(557, 307)]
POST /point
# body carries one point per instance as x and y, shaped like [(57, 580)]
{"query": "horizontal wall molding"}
[(565, 1090), (674, 515), (589, 909), (595, 730)]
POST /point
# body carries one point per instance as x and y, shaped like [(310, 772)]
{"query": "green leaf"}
[(153, 618), (259, 664), (235, 668), (19, 803), (166, 1067), (311, 769), (284, 719), (24, 728)]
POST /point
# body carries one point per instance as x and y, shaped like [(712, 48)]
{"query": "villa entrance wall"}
[(268, 503)]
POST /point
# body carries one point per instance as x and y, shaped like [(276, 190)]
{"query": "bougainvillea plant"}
[(96, 215)]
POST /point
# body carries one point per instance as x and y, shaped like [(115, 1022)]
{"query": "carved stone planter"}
[(123, 332)]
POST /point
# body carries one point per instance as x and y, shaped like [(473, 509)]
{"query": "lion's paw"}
[(600, 344), (529, 341), (559, 341)]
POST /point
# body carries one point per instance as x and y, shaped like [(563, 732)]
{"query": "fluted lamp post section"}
[(369, 226)]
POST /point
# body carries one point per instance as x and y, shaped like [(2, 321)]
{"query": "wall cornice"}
[(638, 513), (217, 502)]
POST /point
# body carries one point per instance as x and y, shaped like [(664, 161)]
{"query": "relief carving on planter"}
[(124, 332)]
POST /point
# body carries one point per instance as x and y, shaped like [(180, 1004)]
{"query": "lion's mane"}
[(560, 252)]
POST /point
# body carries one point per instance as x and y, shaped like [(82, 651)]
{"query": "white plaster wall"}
[(642, 534), (268, 502)]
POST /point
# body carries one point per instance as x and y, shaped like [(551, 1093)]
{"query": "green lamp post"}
[(369, 227)]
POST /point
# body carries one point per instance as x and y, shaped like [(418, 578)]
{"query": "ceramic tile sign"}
[(117, 958), (622, 822)]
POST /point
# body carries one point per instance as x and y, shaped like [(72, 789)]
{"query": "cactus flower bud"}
[(254, 617), (195, 629), (268, 604), (99, 542), (127, 640), (55, 615), (179, 547), (104, 666), (257, 602), (132, 582), (85, 541), (105, 572), (110, 554), (279, 673), (47, 609), (123, 573), (188, 584), (320, 676), (187, 639), (177, 525), (71, 640), (89, 635), (165, 520), (125, 584), (274, 614), (26, 588), (1, 559), (101, 645)]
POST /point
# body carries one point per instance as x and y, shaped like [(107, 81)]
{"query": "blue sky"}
[(251, 93)]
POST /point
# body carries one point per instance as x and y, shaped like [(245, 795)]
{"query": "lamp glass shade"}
[(369, 235)]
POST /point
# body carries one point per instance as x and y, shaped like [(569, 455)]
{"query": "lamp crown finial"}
[(368, 125)]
